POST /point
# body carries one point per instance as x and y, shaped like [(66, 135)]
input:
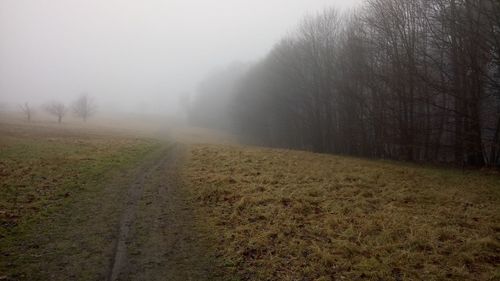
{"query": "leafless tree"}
[(415, 80), (84, 107), (56, 109), (27, 110)]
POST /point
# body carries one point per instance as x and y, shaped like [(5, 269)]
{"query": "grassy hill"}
[(288, 215), (254, 213)]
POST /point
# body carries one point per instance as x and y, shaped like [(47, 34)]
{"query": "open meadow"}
[(279, 140), (288, 215), (83, 203), (59, 189)]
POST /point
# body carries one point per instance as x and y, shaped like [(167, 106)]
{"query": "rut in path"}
[(157, 237)]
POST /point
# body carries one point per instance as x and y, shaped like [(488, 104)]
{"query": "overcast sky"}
[(134, 55)]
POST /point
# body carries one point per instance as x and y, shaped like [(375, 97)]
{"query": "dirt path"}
[(132, 222), (157, 238)]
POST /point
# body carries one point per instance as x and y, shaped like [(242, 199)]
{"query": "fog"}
[(134, 56)]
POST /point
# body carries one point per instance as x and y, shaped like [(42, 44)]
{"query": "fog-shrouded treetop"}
[(57, 109), (27, 110), (400, 79), (84, 107)]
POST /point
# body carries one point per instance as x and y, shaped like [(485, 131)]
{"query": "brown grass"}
[(285, 215)]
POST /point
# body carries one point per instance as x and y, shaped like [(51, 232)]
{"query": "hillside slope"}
[(287, 215)]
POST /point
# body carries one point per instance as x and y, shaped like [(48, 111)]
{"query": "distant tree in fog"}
[(56, 109), (27, 111), (210, 105), (84, 107)]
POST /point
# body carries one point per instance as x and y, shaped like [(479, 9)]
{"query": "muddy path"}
[(134, 222), (157, 237)]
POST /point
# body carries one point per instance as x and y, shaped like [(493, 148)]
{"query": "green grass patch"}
[(60, 199), (289, 215)]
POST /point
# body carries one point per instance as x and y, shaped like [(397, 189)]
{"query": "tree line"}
[(415, 80), (84, 107)]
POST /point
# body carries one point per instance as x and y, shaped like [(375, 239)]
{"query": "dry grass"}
[(285, 215)]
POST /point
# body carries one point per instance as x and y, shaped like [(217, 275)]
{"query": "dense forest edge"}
[(395, 79)]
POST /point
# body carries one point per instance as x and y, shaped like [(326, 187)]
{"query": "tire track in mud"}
[(158, 237), (134, 194)]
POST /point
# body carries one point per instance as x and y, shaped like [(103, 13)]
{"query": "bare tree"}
[(27, 111), (56, 109), (84, 107), (415, 80)]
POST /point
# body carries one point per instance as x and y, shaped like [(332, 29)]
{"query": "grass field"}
[(254, 213), (52, 179), (284, 215)]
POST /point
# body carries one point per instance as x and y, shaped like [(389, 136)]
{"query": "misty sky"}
[(134, 55)]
